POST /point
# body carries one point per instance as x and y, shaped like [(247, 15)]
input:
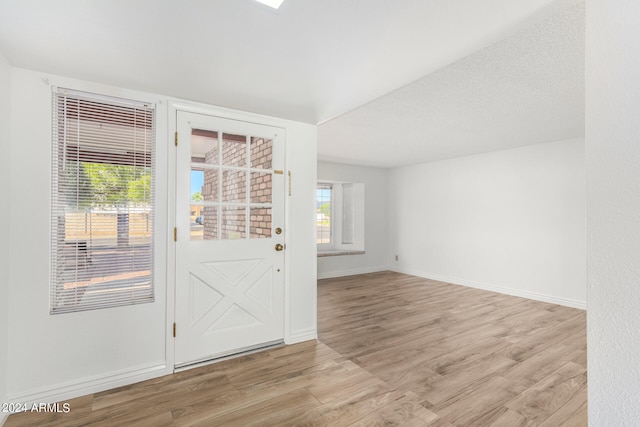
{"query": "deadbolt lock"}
[(279, 247), (278, 230)]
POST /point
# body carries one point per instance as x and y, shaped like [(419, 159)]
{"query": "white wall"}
[(5, 126), (62, 356), (613, 211), (375, 257), (301, 246), (58, 355), (510, 221)]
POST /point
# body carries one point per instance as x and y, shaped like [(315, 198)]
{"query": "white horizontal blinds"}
[(102, 202)]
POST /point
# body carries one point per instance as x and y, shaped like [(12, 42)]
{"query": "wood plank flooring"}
[(393, 350)]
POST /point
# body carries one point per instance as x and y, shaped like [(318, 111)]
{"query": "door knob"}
[(278, 230), (279, 247)]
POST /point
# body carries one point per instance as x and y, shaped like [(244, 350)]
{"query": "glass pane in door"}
[(204, 184), (234, 150), (204, 225), (261, 153), (234, 186), (260, 223), (260, 191), (204, 147), (234, 223)]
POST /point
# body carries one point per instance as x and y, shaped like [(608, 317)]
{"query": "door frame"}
[(174, 107)]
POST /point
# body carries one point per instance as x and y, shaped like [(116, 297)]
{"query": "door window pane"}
[(196, 230), (204, 222), (234, 186), (204, 185), (261, 153), (260, 223), (234, 223), (230, 196), (260, 191), (204, 147), (234, 150)]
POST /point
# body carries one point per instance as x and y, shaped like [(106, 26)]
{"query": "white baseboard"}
[(353, 272), (301, 336), (73, 389), (582, 305)]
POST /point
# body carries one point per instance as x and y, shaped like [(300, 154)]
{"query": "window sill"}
[(323, 253)]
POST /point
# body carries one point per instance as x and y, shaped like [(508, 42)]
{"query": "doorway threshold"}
[(226, 356)]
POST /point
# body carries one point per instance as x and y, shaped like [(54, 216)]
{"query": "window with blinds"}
[(102, 202)]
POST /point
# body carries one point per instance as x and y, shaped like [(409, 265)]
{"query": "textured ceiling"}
[(310, 60), (391, 82), (525, 89)]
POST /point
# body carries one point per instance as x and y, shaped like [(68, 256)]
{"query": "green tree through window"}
[(115, 185)]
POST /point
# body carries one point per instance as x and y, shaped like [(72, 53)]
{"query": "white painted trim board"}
[(351, 272), (82, 387), (582, 305)]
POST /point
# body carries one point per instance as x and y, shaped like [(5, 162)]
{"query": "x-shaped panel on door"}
[(228, 295)]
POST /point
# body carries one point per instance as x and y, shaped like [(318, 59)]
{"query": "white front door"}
[(230, 190)]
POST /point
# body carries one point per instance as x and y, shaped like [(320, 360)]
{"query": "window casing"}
[(324, 214), (344, 205), (102, 206)]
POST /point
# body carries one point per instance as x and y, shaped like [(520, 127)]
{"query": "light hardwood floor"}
[(393, 350)]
